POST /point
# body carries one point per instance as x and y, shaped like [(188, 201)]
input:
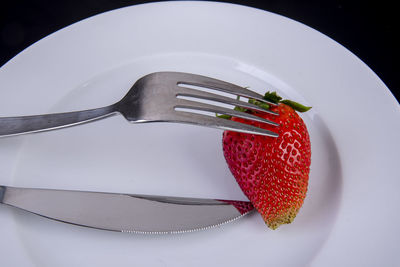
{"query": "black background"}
[(368, 29)]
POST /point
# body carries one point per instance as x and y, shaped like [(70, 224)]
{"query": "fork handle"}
[(10, 126)]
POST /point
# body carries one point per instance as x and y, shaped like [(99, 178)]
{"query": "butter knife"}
[(125, 212)]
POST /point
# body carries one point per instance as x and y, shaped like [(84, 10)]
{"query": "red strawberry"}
[(272, 172)]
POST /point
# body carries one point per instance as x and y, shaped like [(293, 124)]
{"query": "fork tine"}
[(188, 104), (215, 122), (184, 91), (207, 82)]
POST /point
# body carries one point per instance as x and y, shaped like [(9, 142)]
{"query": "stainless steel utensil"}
[(158, 97), (125, 212)]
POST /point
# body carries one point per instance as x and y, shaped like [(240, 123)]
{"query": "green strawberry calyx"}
[(275, 98), (271, 97)]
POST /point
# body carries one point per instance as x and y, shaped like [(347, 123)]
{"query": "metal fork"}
[(158, 97)]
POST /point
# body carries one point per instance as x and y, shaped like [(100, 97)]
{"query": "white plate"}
[(350, 216)]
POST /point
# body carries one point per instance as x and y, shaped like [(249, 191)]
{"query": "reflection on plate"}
[(93, 63)]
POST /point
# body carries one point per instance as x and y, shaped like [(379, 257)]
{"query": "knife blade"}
[(132, 213)]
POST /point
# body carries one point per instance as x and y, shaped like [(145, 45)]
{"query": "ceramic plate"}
[(349, 216)]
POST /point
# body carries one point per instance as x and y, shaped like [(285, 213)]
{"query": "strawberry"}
[(272, 172)]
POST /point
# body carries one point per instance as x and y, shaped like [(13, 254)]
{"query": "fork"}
[(159, 97)]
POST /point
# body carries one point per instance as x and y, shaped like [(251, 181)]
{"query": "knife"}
[(125, 212)]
